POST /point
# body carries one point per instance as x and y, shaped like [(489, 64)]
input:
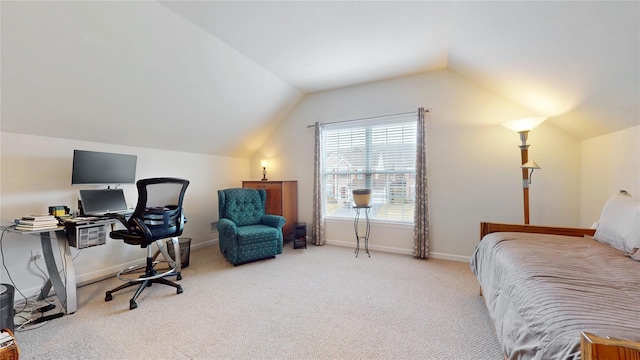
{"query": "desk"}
[(367, 228), (65, 288)]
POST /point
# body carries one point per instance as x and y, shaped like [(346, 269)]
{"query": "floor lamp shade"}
[(526, 124)]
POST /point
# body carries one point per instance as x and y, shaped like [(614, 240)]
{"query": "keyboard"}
[(111, 212)]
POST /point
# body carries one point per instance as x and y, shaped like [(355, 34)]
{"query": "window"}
[(377, 154)]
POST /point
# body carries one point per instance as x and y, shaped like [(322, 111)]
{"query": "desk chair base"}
[(146, 275)]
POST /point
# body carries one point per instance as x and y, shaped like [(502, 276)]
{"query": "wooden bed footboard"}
[(596, 348), (592, 347)]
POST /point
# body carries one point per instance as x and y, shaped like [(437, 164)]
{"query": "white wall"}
[(610, 163), (474, 172), (36, 173), (101, 70)]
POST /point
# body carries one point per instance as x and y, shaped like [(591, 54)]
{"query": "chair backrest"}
[(158, 213), (243, 206)]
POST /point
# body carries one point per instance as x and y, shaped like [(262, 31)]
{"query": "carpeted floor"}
[(315, 303)]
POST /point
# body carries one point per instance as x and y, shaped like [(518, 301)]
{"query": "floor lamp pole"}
[(522, 127), (524, 154)]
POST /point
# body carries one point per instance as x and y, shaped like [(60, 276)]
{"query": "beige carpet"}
[(318, 303)]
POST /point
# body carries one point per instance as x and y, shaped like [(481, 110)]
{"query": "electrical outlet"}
[(36, 254)]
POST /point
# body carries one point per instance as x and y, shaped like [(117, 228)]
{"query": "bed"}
[(557, 293)]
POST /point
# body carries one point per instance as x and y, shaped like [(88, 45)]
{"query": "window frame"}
[(337, 183)]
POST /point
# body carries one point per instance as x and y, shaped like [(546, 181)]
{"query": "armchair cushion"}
[(243, 207), (256, 233)]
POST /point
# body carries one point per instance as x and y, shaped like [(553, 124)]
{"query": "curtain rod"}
[(367, 118)]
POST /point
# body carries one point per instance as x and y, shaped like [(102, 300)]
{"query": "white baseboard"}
[(98, 275), (91, 277), (388, 249), (442, 256), (401, 251)]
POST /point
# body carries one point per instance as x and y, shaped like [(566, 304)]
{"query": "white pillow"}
[(619, 224)]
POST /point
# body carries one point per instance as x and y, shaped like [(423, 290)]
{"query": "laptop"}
[(100, 202)]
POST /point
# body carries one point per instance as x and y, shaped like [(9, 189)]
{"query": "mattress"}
[(542, 290)]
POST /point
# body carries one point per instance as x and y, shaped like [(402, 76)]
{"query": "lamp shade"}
[(526, 124), (530, 165), (263, 163)]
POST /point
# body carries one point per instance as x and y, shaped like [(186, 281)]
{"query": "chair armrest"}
[(122, 219), (226, 227), (275, 221)]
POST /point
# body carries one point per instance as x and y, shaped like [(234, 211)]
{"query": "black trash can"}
[(6, 306), (185, 250)]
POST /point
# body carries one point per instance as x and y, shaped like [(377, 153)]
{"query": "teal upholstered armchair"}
[(246, 232)]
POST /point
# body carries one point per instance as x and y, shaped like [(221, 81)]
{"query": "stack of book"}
[(37, 222)]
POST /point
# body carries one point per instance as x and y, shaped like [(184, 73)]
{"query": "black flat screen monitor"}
[(94, 167), (99, 202)]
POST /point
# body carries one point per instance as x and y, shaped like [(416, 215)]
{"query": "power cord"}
[(27, 302), (4, 265)]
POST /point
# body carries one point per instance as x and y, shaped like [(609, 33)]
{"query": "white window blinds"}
[(377, 154)]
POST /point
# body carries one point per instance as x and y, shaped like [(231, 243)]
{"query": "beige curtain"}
[(318, 218), (421, 214)]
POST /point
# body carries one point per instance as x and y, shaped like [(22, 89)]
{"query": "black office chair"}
[(157, 216)]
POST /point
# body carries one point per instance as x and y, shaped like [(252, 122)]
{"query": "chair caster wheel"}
[(108, 296), (179, 290), (179, 277), (132, 305)]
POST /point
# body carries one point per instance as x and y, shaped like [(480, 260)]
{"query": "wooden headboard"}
[(488, 228)]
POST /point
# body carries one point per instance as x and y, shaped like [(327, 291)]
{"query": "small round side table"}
[(365, 237)]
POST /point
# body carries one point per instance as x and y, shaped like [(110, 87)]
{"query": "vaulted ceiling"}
[(197, 74)]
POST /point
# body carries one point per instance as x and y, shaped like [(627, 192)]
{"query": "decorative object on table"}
[(263, 163), (59, 210), (362, 197), (522, 127)]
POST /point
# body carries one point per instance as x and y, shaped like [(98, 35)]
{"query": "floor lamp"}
[(522, 127)]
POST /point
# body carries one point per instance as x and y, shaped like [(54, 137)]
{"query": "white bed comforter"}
[(542, 290)]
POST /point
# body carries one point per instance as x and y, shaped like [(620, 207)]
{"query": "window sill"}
[(386, 223)]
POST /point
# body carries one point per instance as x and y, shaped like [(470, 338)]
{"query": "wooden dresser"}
[(282, 199)]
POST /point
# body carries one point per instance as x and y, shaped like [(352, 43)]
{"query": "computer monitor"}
[(100, 202), (94, 167)]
